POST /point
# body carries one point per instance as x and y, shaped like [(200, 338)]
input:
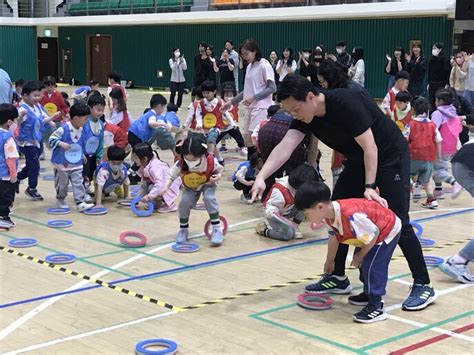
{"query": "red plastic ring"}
[(208, 229), (128, 238), (314, 301)]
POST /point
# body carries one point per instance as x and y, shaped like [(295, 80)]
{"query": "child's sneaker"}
[(164, 208), (431, 204), (33, 193), (4, 224), (7, 221), (421, 296), (89, 189), (361, 299), (457, 189), (182, 236), (460, 272), (84, 206), (245, 200), (260, 228), (298, 234), (330, 284), (88, 199), (438, 194), (416, 192), (243, 151), (61, 203), (223, 149), (216, 236), (370, 314)]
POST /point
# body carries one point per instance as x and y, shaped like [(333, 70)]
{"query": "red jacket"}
[(54, 103), (120, 136), (421, 140)]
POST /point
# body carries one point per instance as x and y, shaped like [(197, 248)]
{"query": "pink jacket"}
[(449, 125), (156, 173)]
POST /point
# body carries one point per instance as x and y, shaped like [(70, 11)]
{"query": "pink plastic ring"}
[(315, 301), (128, 238), (208, 229)]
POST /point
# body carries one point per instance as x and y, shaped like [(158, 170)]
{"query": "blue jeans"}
[(32, 166), (469, 95)]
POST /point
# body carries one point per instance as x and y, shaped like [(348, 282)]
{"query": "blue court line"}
[(207, 263)]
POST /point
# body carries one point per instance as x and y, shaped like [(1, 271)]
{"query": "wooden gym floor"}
[(244, 292)]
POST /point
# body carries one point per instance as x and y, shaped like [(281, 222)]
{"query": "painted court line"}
[(433, 340)]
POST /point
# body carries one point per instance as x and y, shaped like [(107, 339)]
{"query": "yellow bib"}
[(209, 120), (194, 180), (354, 242), (51, 108)]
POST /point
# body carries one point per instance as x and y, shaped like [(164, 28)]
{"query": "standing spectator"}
[(342, 56), (200, 68), (439, 69), (357, 69), (416, 66), (178, 65), (319, 54), (6, 88), (457, 78), (469, 87), (229, 45), (258, 90), (303, 63), (273, 59), (286, 65), (226, 67), (395, 64), (211, 68)]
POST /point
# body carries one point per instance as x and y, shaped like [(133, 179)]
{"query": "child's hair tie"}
[(204, 145)]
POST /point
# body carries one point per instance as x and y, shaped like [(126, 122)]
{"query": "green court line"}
[(100, 241), (416, 331), (309, 335), (78, 259), (103, 254)]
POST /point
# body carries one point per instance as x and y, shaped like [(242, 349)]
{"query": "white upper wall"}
[(402, 8)]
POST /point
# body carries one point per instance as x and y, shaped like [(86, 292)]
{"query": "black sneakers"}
[(359, 300), (330, 284), (33, 193), (370, 314)]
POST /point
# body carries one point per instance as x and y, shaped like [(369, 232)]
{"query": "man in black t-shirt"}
[(377, 156)]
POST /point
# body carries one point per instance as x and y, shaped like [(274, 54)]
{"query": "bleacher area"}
[(239, 4), (100, 7)]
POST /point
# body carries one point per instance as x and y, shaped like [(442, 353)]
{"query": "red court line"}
[(430, 341)]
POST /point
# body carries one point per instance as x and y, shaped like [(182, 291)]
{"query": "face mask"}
[(318, 59), (397, 54), (115, 168), (306, 55), (228, 98), (192, 163), (459, 61), (177, 54), (339, 50), (435, 52)]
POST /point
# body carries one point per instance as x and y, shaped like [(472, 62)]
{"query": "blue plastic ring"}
[(141, 213), (185, 247), (48, 177), (96, 211), (433, 260), (22, 243), (60, 258), (418, 227), (427, 242), (171, 346), (58, 211), (59, 223)]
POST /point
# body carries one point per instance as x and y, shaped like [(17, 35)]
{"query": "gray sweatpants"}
[(190, 198), (464, 176), (61, 183), (441, 170), (280, 230), (468, 251)]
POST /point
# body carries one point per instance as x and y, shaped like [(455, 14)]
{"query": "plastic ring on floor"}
[(418, 227), (22, 243), (316, 226), (170, 347), (58, 210), (59, 223), (96, 211), (48, 178), (427, 242), (185, 247), (141, 213), (129, 239), (60, 258), (433, 260), (208, 227), (125, 203), (199, 207), (314, 301)]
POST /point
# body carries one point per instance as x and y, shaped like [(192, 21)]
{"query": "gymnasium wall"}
[(18, 51)]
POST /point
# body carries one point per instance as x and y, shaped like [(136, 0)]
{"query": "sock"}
[(215, 221), (376, 301), (184, 223), (340, 278), (438, 186), (458, 259)]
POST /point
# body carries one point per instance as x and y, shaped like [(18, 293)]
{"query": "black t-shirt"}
[(349, 114), (224, 72)]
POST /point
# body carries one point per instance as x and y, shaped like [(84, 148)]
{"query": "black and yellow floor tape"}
[(93, 280), (437, 247)]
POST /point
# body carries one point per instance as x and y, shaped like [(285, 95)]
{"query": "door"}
[(100, 58), (67, 64), (47, 57), (468, 41)]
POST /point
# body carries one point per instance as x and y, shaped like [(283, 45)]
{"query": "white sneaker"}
[(457, 189), (61, 203), (244, 200), (460, 272), (243, 151), (439, 195), (84, 206), (88, 199), (416, 192), (298, 234), (433, 204)]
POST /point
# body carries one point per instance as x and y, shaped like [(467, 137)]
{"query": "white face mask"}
[(192, 163), (435, 52), (339, 50), (177, 54), (306, 55)]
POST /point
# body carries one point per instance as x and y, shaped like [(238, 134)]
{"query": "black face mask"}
[(318, 59)]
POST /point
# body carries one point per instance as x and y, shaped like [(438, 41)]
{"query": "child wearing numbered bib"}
[(31, 118), (111, 175), (154, 173), (372, 228), (68, 157), (200, 172), (93, 132)]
